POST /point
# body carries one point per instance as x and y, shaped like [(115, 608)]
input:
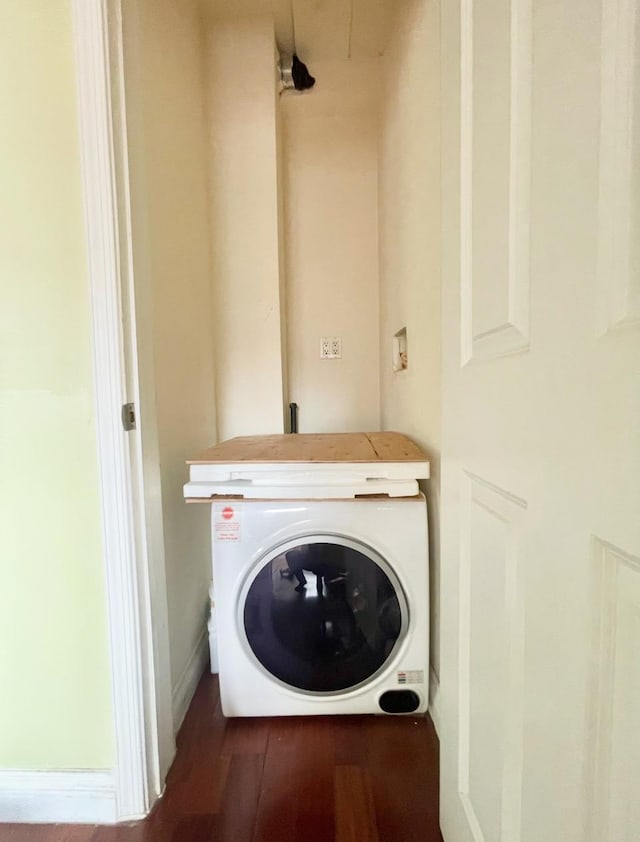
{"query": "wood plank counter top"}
[(326, 448)]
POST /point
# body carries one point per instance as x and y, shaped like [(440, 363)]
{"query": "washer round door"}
[(323, 614)]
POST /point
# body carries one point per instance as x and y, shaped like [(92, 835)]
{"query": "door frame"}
[(137, 624)]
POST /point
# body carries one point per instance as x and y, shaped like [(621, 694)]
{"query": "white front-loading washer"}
[(322, 605)]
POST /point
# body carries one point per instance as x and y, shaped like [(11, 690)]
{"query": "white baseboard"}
[(76, 796), (188, 681), (434, 693)]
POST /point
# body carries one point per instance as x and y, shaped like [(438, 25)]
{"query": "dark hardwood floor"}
[(290, 779)]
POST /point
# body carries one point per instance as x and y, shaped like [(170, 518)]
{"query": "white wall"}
[(173, 288), (409, 190), (331, 241), (242, 128)]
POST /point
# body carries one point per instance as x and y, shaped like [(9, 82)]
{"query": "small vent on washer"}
[(399, 701)]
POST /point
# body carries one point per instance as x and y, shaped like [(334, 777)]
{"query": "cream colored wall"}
[(55, 702), (282, 268), (244, 225), (173, 281), (331, 241), (409, 188)]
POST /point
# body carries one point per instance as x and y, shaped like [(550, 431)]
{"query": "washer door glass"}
[(324, 616)]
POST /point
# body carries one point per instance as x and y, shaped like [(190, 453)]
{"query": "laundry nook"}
[(321, 334)]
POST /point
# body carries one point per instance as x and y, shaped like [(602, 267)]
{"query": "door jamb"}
[(139, 680)]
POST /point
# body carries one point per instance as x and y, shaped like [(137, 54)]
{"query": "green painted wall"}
[(55, 699)]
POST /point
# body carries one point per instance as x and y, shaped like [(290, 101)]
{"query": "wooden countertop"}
[(314, 447)]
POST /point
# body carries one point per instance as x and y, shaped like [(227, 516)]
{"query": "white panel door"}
[(540, 658)]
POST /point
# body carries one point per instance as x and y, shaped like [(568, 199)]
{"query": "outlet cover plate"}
[(330, 348)]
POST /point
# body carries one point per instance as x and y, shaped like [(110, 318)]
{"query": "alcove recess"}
[(400, 351)]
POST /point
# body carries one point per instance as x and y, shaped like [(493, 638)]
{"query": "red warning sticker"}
[(226, 523)]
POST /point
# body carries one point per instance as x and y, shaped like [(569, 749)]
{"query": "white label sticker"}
[(226, 523), (411, 677)]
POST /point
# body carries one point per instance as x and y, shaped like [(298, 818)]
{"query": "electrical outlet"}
[(330, 348)]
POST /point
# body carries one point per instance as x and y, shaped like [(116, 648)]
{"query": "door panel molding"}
[(527, 422), (483, 499), (617, 622), (509, 335), (618, 285)]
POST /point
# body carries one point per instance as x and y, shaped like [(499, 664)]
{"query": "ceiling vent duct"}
[(294, 74)]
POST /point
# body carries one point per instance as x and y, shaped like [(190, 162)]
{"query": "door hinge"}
[(128, 416)]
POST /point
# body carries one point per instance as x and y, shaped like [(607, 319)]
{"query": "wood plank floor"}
[(289, 779)]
